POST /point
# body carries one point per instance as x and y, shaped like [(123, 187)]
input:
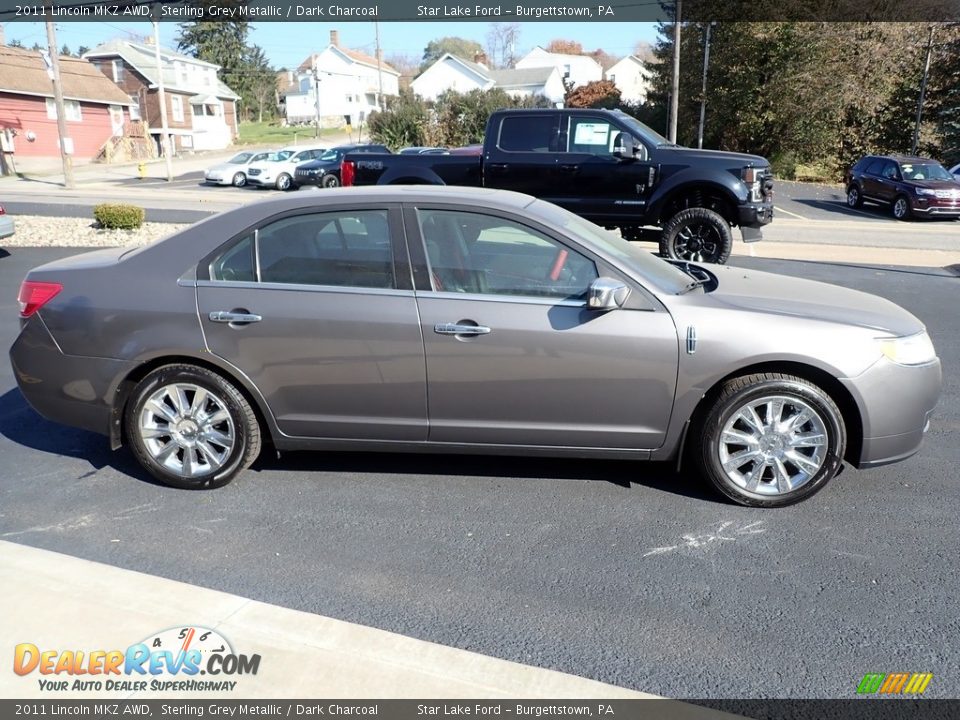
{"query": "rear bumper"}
[(67, 389)]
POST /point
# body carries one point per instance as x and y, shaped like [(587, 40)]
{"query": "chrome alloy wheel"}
[(773, 445), (187, 429)]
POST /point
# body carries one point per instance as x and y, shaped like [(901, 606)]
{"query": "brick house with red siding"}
[(201, 110), (96, 109)]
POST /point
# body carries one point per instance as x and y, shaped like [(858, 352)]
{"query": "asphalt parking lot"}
[(626, 573)]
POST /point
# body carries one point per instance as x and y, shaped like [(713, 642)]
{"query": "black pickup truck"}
[(607, 167)]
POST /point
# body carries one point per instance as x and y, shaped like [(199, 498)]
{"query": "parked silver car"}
[(466, 320), (7, 227), (234, 171)]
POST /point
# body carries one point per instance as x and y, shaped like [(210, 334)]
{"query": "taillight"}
[(347, 173), (34, 295), (2, 211)]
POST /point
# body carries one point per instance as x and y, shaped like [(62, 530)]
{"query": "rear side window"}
[(874, 167), (528, 133), (890, 170), (346, 249)]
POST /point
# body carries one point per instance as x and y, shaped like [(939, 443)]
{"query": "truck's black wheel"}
[(697, 235)]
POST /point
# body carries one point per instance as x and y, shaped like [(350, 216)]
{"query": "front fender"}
[(718, 181)]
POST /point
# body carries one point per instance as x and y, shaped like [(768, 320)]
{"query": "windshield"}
[(633, 257), (924, 171), (239, 159), (331, 155), (643, 132)]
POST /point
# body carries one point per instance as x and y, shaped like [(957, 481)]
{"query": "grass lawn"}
[(254, 133)]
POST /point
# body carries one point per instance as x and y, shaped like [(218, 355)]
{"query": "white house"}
[(576, 69), (450, 72), (201, 111), (632, 79), (349, 83)]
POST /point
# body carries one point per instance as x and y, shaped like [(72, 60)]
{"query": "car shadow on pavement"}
[(622, 473), (948, 272), (22, 425)]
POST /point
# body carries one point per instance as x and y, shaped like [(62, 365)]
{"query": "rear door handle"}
[(497, 167), (571, 169), (460, 329), (229, 316)]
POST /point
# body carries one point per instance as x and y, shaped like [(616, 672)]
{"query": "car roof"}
[(902, 158), (483, 198)]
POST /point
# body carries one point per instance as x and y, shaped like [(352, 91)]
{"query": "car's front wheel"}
[(854, 198), (698, 235), (901, 208), (330, 181), (190, 428), (771, 440), (284, 181), (239, 179)]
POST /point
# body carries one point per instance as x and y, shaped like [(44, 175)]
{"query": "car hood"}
[(936, 184), (765, 292), (319, 165), (737, 159)]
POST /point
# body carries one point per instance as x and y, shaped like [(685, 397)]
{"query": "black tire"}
[(239, 180), (900, 209), (854, 196), (736, 395), (284, 181), (330, 181), (221, 396), (697, 235)]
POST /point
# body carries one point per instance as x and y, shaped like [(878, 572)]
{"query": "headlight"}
[(925, 191), (911, 350)]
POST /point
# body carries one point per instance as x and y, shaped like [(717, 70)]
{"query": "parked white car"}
[(278, 168), (234, 171)]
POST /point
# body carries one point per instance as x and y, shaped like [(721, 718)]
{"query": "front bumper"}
[(307, 180), (755, 215), (67, 389), (935, 207), (896, 403), (261, 181)]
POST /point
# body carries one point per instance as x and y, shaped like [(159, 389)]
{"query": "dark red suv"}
[(909, 185)]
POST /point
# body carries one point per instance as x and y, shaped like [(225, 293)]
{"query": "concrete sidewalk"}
[(58, 602)]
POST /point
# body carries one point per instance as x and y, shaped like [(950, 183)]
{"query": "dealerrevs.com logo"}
[(170, 660)]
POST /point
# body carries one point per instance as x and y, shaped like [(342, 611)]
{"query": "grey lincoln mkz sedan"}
[(466, 320)]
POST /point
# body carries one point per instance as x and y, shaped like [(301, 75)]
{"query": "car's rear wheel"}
[(771, 440), (697, 235), (854, 198), (239, 179), (190, 428), (330, 181), (284, 181), (901, 208)]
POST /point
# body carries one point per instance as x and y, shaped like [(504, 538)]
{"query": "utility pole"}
[(675, 85), (316, 91), (165, 133), (380, 99), (54, 70), (703, 89), (923, 91)]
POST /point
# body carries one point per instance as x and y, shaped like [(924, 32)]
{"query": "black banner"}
[(478, 10), (863, 709)]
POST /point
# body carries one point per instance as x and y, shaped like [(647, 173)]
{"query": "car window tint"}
[(890, 170), (236, 264), (527, 133), (875, 167), (477, 253), (591, 135), (337, 248)]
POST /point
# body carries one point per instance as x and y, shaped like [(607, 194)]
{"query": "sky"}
[(288, 44)]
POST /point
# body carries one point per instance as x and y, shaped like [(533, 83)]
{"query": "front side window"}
[(346, 249), (890, 171), (476, 253), (591, 135)]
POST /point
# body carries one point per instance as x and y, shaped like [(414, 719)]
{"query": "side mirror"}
[(625, 147), (607, 294)]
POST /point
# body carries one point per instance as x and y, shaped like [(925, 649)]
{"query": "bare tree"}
[(502, 41)]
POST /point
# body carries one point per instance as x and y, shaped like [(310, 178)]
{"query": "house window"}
[(183, 72), (117, 71), (176, 103), (135, 108), (71, 110)]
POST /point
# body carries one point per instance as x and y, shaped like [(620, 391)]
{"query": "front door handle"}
[(460, 329), (230, 316), (497, 167), (570, 169)]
